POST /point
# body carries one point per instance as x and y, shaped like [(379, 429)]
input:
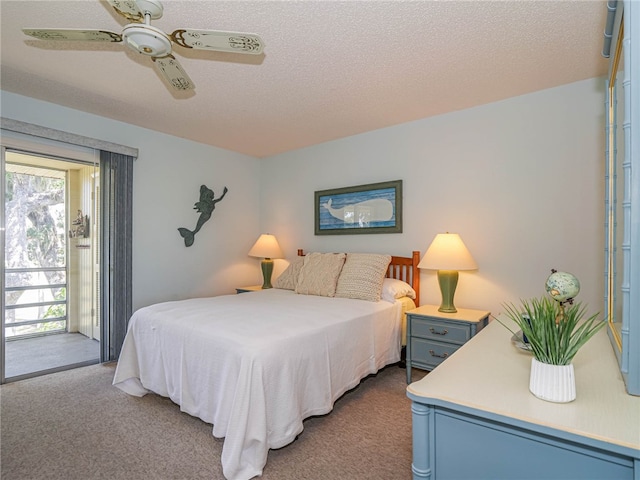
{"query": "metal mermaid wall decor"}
[(205, 206)]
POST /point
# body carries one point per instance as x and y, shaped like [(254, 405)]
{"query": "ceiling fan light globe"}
[(146, 40)]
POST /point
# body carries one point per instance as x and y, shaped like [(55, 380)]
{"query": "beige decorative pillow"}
[(362, 276), (319, 274), (289, 278)]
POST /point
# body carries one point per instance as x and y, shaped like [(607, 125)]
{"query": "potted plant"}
[(555, 330)]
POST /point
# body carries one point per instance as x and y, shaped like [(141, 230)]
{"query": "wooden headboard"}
[(402, 268)]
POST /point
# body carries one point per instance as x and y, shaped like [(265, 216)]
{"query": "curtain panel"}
[(116, 224)]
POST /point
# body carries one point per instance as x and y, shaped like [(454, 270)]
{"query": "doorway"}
[(51, 280)]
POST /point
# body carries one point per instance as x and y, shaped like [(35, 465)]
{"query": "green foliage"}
[(51, 327), (39, 200), (59, 310), (555, 332), (35, 237), (8, 186)]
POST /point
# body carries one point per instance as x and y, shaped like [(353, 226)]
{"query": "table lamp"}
[(447, 254), (267, 248)]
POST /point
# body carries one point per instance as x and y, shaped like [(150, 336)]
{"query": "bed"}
[(255, 365)]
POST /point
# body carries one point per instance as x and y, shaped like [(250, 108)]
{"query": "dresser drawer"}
[(440, 331), (430, 353)]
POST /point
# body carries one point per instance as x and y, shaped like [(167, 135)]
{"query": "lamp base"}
[(448, 280), (267, 270)]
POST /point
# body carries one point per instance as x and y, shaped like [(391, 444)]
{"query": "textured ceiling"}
[(330, 69)]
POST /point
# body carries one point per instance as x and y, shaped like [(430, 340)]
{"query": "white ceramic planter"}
[(553, 383)]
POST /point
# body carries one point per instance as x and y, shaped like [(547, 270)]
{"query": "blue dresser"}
[(474, 417)]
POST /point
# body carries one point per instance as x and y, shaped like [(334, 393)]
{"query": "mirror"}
[(615, 187), (622, 187)]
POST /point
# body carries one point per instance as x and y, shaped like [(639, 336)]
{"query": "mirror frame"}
[(621, 307), (613, 159)]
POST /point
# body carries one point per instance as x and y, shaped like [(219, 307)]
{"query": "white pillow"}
[(362, 275), (392, 288)]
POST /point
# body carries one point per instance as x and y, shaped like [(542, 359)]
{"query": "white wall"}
[(520, 180), (167, 179)]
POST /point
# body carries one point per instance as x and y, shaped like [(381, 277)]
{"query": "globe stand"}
[(560, 316)]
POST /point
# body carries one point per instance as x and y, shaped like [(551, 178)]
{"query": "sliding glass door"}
[(98, 234), (51, 308)]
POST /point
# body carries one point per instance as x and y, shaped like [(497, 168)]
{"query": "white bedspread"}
[(256, 364)]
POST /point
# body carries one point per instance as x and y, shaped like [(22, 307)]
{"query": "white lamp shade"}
[(447, 252), (266, 247)]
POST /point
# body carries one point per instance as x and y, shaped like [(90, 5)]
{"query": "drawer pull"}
[(434, 354), (443, 332)]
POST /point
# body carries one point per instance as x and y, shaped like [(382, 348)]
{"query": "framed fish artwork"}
[(372, 208)]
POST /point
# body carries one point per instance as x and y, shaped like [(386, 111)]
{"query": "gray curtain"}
[(116, 184)]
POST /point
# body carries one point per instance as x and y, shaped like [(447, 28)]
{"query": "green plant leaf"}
[(555, 332)]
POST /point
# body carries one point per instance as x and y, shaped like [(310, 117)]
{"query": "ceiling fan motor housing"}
[(147, 40), (153, 8)]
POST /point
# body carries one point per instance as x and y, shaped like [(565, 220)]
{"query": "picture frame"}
[(371, 208)]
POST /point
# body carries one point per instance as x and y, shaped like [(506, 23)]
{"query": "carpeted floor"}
[(76, 425)]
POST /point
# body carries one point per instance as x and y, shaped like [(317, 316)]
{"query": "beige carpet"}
[(75, 425)]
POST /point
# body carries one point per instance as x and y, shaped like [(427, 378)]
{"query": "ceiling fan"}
[(143, 38)]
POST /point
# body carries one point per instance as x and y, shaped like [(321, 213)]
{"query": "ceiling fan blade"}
[(219, 41), (171, 69), (128, 9), (73, 34)]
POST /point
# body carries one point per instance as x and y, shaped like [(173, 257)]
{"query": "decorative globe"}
[(562, 286)]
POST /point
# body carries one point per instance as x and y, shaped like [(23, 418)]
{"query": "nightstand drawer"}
[(440, 331), (433, 336), (429, 353)]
